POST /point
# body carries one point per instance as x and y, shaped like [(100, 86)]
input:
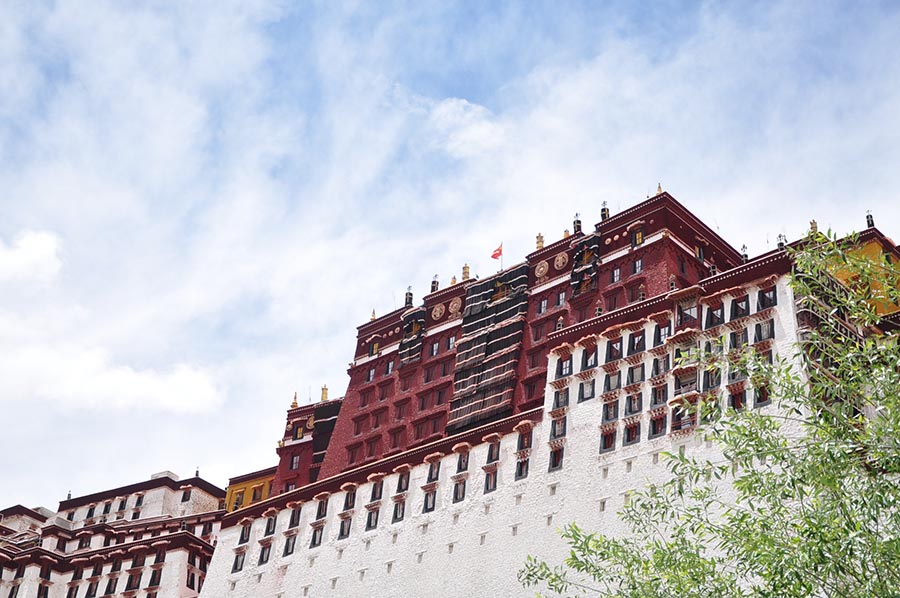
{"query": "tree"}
[(805, 499)]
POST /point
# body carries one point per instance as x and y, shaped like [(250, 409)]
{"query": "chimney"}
[(434, 283), (870, 221), (466, 273), (324, 392), (540, 241), (576, 224), (604, 212)]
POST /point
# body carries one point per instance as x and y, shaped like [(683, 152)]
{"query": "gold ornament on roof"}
[(540, 241), (658, 188), (294, 403)]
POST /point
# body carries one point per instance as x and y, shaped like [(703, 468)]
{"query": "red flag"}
[(498, 252)]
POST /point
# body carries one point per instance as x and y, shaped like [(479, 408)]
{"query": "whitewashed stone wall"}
[(473, 548)]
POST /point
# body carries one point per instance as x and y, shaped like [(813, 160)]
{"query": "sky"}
[(200, 201)]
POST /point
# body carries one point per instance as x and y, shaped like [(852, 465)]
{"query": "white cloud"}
[(32, 256)]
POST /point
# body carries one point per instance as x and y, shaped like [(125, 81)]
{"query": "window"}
[(589, 359), (635, 374), (344, 529), (712, 379), (295, 518), (434, 471), (462, 462), (161, 554), (371, 447), (373, 348), (764, 331), (542, 306), (430, 501), (564, 367), (403, 482), (681, 419), (106, 508), (116, 566), (685, 384), (632, 434), (558, 428), (245, 534), (358, 425), (90, 512), (264, 553), (612, 301), (614, 350), (389, 368), (77, 573), (586, 390), (687, 315), (740, 307), (316, 537), (451, 342), (561, 398), (493, 452), (524, 440), (370, 374), (699, 252), (521, 469), (396, 436), (738, 339), (295, 461), (459, 491), (349, 499), (289, 544), (662, 333), (612, 382), (660, 366), (428, 375), (766, 299), (372, 519), (322, 509), (399, 511), (637, 266), (560, 298), (556, 459), (186, 495), (490, 481), (400, 410), (615, 275), (637, 237), (761, 397), (353, 453), (270, 526), (659, 395), (537, 332), (636, 343), (715, 316), (435, 348), (122, 504), (608, 441), (736, 400), (71, 593), (610, 411), (91, 591), (681, 266), (111, 586), (658, 425), (634, 404), (377, 490)]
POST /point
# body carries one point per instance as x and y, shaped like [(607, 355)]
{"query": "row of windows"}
[(122, 505), (434, 349)]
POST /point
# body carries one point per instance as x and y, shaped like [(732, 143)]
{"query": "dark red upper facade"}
[(476, 351)]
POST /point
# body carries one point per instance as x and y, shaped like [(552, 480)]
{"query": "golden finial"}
[(325, 392), (453, 280), (465, 272), (813, 226), (294, 404), (372, 317), (566, 234), (540, 241), (658, 188)]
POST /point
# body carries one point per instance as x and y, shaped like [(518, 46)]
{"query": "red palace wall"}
[(401, 390)]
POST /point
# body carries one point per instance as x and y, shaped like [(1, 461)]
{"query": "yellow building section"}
[(249, 488), (874, 251)]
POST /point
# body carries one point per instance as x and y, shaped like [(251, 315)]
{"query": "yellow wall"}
[(246, 487), (873, 251)]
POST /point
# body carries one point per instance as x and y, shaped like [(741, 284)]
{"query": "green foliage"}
[(805, 500)]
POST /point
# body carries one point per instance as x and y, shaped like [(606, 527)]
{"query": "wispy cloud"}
[(202, 200)]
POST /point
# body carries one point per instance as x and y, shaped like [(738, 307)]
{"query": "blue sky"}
[(200, 201)]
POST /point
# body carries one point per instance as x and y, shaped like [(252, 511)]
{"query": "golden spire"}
[(324, 392), (294, 404), (465, 272), (658, 188), (453, 280), (566, 234), (372, 318), (540, 241)]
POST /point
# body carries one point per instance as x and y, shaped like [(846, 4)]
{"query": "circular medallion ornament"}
[(310, 423), (437, 312), (561, 260), (541, 269), (455, 305)]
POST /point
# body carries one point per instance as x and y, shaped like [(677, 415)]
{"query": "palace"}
[(474, 425)]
